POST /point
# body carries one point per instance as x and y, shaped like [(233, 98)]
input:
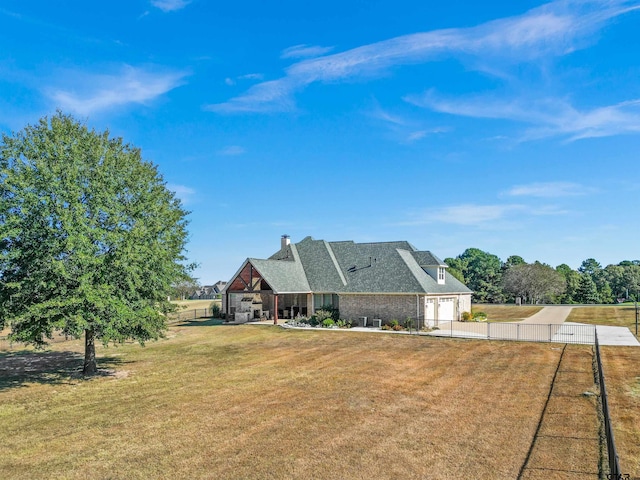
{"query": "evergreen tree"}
[(587, 290)]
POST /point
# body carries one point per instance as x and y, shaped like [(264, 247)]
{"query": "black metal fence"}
[(523, 332), (194, 314), (614, 461)]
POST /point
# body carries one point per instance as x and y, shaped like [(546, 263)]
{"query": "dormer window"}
[(440, 275)]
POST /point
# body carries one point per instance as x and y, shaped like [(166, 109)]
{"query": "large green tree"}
[(592, 268), (534, 282), (482, 273), (572, 279), (91, 240), (587, 290)]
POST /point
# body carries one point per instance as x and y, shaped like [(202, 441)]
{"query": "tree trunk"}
[(90, 367)]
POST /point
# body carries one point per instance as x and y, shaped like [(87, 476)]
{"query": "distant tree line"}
[(495, 281)]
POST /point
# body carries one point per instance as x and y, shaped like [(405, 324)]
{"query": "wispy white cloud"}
[(549, 190), (304, 51), (403, 129), (554, 29), (547, 210), (86, 93), (170, 5), (548, 116), (232, 150), (272, 96), (184, 193), (249, 76), (470, 214), (464, 214), (482, 215)]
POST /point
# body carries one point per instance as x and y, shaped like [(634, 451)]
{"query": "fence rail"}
[(614, 460), (194, 314), (524, 332), (175, 317)]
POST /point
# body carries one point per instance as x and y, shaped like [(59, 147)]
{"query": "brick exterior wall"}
[(390, 307), (385, 307)]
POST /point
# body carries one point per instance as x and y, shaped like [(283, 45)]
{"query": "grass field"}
[(194, 304), (622, 372), (263, 402), (614, 315), (506, 313)]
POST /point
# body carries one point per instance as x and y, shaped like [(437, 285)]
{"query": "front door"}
[(429, 312)]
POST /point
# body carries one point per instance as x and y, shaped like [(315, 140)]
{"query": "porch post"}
[(275, 308)]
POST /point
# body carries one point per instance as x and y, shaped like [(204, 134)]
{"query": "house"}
[(208, 292), (382, 280)]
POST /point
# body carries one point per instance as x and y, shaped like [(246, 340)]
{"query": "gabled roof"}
[(284, 276), (349, 267)]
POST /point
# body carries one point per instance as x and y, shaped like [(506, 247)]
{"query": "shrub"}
[(466, 316), (328, 322), (323, 314), (395, 325), (215, 310), (480, 316), (333, 312)]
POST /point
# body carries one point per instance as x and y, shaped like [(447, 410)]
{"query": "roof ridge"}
[(335, 263)]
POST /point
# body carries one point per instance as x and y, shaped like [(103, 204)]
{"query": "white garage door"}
[(445, 309)]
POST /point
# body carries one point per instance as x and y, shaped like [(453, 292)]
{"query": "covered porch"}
[(251, 296)]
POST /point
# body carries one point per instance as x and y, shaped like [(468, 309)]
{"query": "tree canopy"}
[(91, 240), (481, 272), (534, 282)]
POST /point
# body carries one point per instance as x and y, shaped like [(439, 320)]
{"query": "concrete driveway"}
[(555, 315), (546, 325)]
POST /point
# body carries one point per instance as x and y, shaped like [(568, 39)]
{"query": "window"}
[(322, 299), (440, 274)]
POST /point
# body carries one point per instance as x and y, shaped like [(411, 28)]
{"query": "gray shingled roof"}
[(349, 267)]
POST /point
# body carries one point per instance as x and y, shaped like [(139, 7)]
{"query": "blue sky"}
[(513, 127)]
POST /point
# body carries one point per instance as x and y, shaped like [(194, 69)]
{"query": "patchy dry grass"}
[(567, 444), (195, 304), (622, 376), (506, 313), (614, 315), (263, 402)]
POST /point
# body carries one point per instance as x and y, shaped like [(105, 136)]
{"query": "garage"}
[(445, 309)]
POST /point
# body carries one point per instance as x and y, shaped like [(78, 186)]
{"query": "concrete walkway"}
[(616, 336), (546, 325)]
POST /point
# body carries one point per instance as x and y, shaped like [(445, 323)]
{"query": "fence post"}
[(488, 330), (517, 331), (549, 332)]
